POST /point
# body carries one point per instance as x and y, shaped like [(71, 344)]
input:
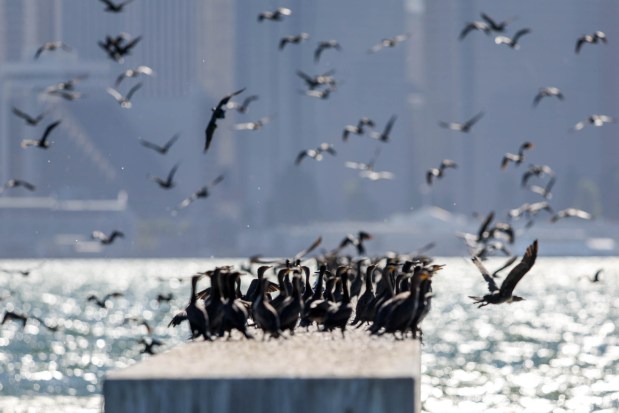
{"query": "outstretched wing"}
[(309, 249), (48, 130), (484, 272), (210, 130), (516, 274)]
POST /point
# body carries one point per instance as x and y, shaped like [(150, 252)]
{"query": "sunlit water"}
[(558, 351)]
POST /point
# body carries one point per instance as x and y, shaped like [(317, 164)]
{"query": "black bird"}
[(547, 91), (105, 239), (164, 298), (115, 8), (41, 143), (276, 15), (195, 313), (149, 345), (326, 44), (313, 82), (242, 108), (504, 294), (462, 127), (495, 26), (384, 136), (595, 120), (596, 277), (200, 193), (51, 46), (160, 149), (475, 25), (392, 42), (15, 183), (438, 172), (316, 154), (24, 273), (296, 39), (140, 70), (124, 101), (337, 316), (356, 241), (357, 129), (103, 303), (265, 316), (32, 121), (364, 309), (291, 309), (590, 38), (516, 159), (168, 183), (13, 316), (570, 212), (512, 41), (219, 112)]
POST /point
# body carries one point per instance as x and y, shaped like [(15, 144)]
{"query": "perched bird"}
[(219, 112), (149, 345), (547, 91), (103, 303), (195, 313), (16, 183), (296, 39), (384, 136), (392, 42), (357, 129), (438, 172), (512, 41), (504, 294), (160, 149), (167, 183), (323, 45), (462, 127), (376, 175), (130, 73), (124, 101), (595, 120), (200, 193), (276, 15), (516, 159), (30, 120), (570, 212), (105, 239), (51, 46), (13, 316), (591, 39), (316, 154), (113, 7), (253, 125), (242, 108), (41, 143), (475, 25)]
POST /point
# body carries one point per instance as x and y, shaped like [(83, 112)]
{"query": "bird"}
[(242, 108), (591, 39), (13, 316), (544, 190), (119, 46), (595, 120), (364, 166), (356, 241), (316, 154), (16, 183), (167, 183), (67, 94), (130, 73), (547, 91), (324, 45), (200, 193), (253, 125), (195, 313), (384, 136), (103, 303), (41, 143), (504, 294), (357, 129), (376, 175), (508, 263), (516, 159), (105, 239), (475, 25), (30, 120), (160, 149), (219, 112), (536, 170), (51, 46), (596, 277), (149, 345), (571, 212), (124, 101), (512, 41), (115, 8), (495, 26), (21, 272), (296, 39), (276, 15), (462, 127), (320, 94), (438, 172), (67, 85), (391, 42), (312, 82)]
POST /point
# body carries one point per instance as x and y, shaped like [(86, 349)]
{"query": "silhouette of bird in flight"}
[(105, 239), (25, 272), (315, 154), (504, 294), (591, 39), (357, 129), (13, 316), (160, 149), (571, 212), (391, 42), (515, 158), (495, 26), (167, 183), (115, 7), (512, 41), (149, 345), (438, 172), (462, 127), (313, 82), (596, 277), (130, 73), (200, 193), (242, 108), (30, 120), (475, 25), (547, 91), (253, 125), (536, 170), (296, 39), (219, 112), (124, 101), (51, 46), (324, 45), (355, 241), (41, 143), (595, 120), (17, 183), (384, 136), (276, 15), (103, 303)]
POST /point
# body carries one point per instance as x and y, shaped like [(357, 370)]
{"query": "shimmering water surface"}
[(557, 351)]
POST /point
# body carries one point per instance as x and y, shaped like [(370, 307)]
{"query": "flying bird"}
[(124, 101), (200, 193), (324, 45), (149, 345), (67, 94), (495, 26), (364, 166), (544, 190), (130, 73), (475, 25), (253, 125), (355, 241), (105, 239), (30, 120), (384, 136), (595, 120), (462, 127), (512, 41), (51, 46), (13, 316), (242, 108), (160, 149), (392, 42), (571, 212), (316, 154), (320, 94), (596, 277), (438, 172), (41, 143), (167, 183), (276, 15), (16, 183), (536, 170), (313, 82), (376, 175), (547, 91), (219, 112), (103, 303), (296, 39), (357, 129), (115, 7), (591, 39), (516, 158)]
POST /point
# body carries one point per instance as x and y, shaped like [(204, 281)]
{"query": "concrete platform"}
[(310, 372)]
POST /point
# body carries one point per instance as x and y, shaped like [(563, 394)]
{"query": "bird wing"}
[(25, 184), (48, 130), (23, 115), (318, 52), (171, 174), (484, 226), (133, 90), (469, 124), (28, 142), (171, 142), (115, 94), (519, 34), (538, 98), (210, 130), (581, 40), (516, 274), (300, 157), (151, 145), (431, 174), (227, 98), (246, 103), (508, 157), (484, 272), (489, 20), (283, 41), (389, 125), (39, 51), (509, 262), (309, 249)]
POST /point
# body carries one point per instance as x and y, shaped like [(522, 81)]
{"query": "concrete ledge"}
[(310, 372)]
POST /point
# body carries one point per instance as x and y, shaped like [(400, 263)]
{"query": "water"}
[(557, 351)]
